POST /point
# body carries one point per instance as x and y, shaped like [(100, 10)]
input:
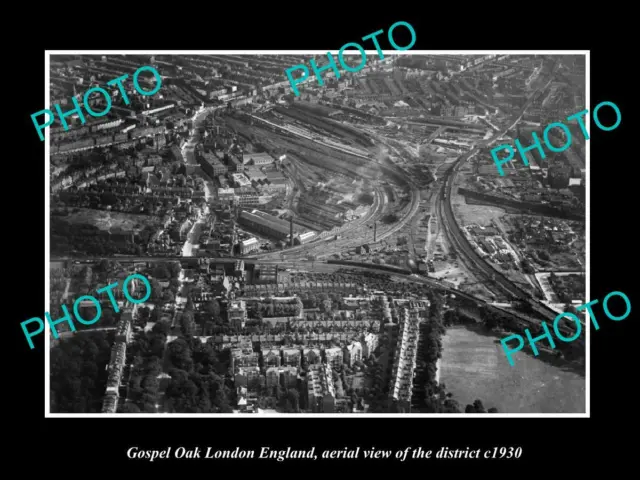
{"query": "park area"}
[(111, 221), (474, 366), (468, 214)]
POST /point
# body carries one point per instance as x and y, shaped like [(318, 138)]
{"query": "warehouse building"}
[(257, 159), (268, 224)]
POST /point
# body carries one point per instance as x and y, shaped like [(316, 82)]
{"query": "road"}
[(209, 193), (192, 238), (63, 335), (188, 153), (66, 290), (188, 150)]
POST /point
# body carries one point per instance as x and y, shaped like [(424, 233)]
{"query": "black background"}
[(549, 445)]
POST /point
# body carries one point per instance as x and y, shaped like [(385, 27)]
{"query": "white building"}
[(249, 245), (241, 180), (369, 344), (226, 194), (353, 353), (306, 237)]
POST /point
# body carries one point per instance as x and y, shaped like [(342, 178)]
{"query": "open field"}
[(105, 220), (453, 274), (478, 214), (474, 366), (476, 288)]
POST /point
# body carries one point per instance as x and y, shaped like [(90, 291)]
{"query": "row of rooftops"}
[(306, 284), (320, 381), (117, 362), (291, 370), (110, 403), (405, 361), (244, 348), (231, 341), (124, 325), (306, 350)]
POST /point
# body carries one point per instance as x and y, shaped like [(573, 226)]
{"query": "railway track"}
[(496, 279)]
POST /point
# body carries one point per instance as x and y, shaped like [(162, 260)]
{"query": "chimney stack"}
[(291, 231)]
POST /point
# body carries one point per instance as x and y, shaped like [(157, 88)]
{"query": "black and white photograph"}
[(284, 233)]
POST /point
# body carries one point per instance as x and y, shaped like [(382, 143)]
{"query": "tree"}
[(189, 306), (292, 403), (451, 406), (180, 355), (212, 307), (162, 327), (108, 198), (148, 402), (143, 313), (208, 327), (103, 266), (527, 267), (174, 269), (130, 408), (78, 373), (161, 271), (108, 317), (150, 384), (477, 405), (168, 296), (155, 314), (156, 290)]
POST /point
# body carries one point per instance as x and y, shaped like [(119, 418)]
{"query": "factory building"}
[(211, 164), (268, 224)]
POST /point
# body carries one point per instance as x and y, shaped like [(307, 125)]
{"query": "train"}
[(388, 268)]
